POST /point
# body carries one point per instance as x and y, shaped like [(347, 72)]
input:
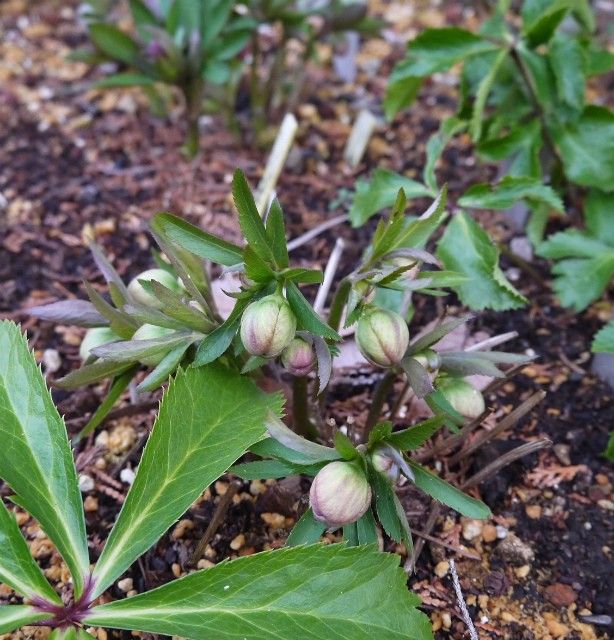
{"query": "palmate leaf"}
[(208, 418), (16, 616), (315, 592), (17, 566), (36, 458)]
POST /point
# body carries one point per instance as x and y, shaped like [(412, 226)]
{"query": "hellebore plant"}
[(311, 591)]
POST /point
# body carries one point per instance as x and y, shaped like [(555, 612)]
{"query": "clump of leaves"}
[(311, 590), (523, 95)]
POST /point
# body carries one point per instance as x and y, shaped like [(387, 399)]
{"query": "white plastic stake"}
[(359, 137)]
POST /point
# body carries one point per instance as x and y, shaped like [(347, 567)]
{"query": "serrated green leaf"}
[(385, 505), (599, 215), (91, 373), (380, 192), (414, 437), (196, 241), (541, 18), (80, 313), (37, 461), (307, 530), (603, 340), (568, 61), (113, 42), (323, 591), (266, 469), (466, 248), (481, 97), (164, 369), (417, 376), (208, 418), (306, 317), (586, 148), (436, 144), (508, 191), (344, 446), (276, 233), (13, 616), (17, 567), (216, 343), (366, 529), (445, 493)]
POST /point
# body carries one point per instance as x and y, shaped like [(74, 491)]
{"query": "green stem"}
[(338, 304), (300, 409), (193, 94), (382, 391)]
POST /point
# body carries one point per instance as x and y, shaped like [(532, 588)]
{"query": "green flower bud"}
[(463, 397), (385, 464), (267, 326), (429, 359), (340, 494), (382, 337), (151, 332), (140, 295), (299, 357), (96, 337)]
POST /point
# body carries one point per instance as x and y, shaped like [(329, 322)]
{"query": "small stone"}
[(237, 542), (472, 529), (514, 551), (522, 572), (602, 479), (489, 533), (506, 616), (221, 488), (205, 564), (442, 568), (181, 528), (176, 569), (90, 504), (557, 629), (125, 585), (274, 520), (561, 451), (86, 483), (127, 476), (534, 511), (560, 595), (501, 532), (608, 505), (446, 620), (51, 360), (256, 487)]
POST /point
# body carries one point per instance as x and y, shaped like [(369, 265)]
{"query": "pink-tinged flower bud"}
[(463, 397), (142, 296), (155, 50), (382, 337), (96, 337), (267, 326), (385, 464), (151, 332), (299, 357), (340, 494)]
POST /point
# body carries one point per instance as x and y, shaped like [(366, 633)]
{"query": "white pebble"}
[(86, 483), (501, 532), (127, 476), (51, 360)]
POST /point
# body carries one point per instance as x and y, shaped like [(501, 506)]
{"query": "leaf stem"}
[(300, 409), (338, 303)]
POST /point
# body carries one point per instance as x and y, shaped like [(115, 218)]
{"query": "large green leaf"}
[(432, 51), (569, 64), (586, 148), (380, 193), (436, 144), (466, 248), (17, 567), (509, 191), (114, 43), (14, 617), (311, 592), (208, 418), (603, 340), (445, 493), (599, 215), (481, 97), (196, 240), (36, 459)]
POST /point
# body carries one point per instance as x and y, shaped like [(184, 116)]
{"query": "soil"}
[(77, 164)]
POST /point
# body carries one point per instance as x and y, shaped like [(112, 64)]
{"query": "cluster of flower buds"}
[(268, 326), (142, 296), (340, 494), (462, 396), (382, 336)]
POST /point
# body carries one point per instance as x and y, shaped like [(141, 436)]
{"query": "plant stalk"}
[(382, 390), (300, 409)]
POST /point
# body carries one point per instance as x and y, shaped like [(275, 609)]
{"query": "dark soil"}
[(76, 164)]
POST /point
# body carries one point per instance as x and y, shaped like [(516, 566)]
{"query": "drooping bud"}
[(384, 463), (382, 337), (429, 359), (463, 397), (299, 357), (96, 337), (151, 332), (267, 326), (340, 494), (140, 295)]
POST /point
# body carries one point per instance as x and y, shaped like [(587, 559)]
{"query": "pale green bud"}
[(151, 332), (340, 494), (267, 326), (96, 337), (463, 397), (382, 337), (140, 295), (299, 357), (385, 464)]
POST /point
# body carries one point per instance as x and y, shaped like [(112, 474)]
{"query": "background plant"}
[(342, 591)]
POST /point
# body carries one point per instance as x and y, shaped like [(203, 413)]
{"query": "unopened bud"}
[(340, 494), (384, 463), (151, 332), (155, 50), (96, 337), (140, 295), (429, 359), (463, 397), (267, 326), (299, 357), (382, 337)]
